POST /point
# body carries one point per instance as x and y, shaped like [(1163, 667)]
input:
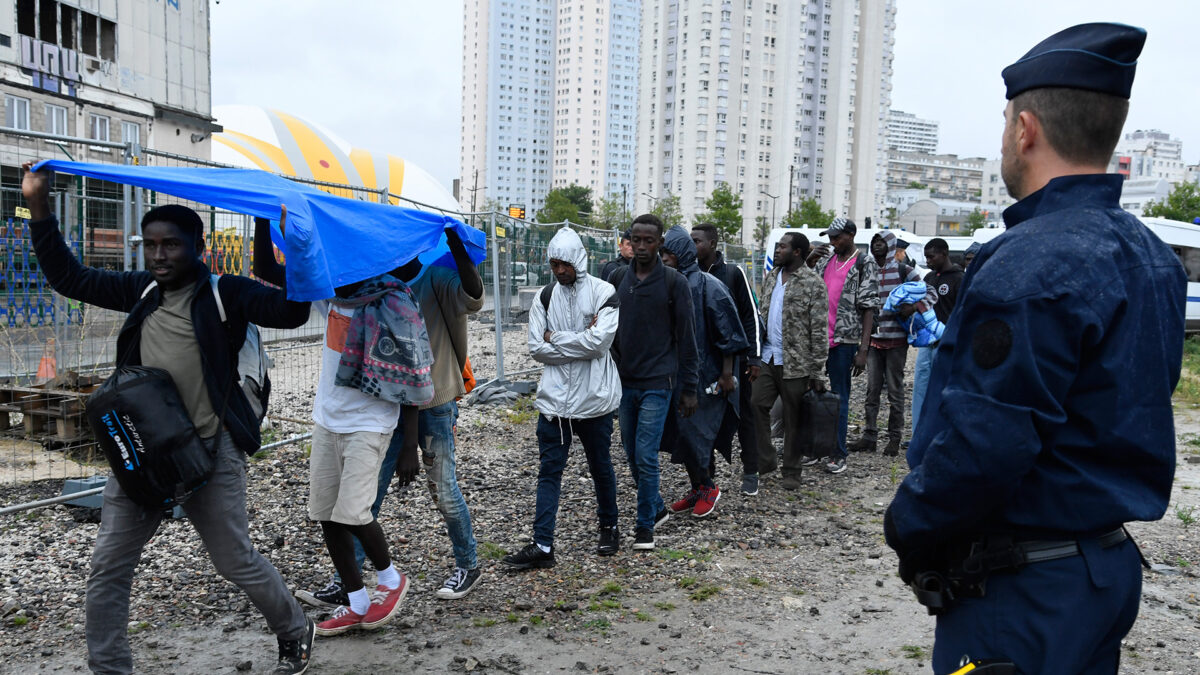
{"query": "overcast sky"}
[(385, 74)]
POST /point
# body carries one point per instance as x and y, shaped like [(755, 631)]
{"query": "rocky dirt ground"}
[(783, 582)]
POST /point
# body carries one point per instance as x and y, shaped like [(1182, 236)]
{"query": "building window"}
[(131, 132), (56, 120), (98, 127), (16, 112)]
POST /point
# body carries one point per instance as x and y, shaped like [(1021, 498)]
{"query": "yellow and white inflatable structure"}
[(258, 138)]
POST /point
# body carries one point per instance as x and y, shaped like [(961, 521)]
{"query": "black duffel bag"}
[(141, 424), (817, 431)]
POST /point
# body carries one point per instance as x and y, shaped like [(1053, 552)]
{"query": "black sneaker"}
[(662, 517), (295, 654), (529, 557), (330, 597), (460, 583), (610, 541), (643, 540)]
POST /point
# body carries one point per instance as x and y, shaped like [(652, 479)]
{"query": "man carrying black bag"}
[(795, 311), (176, 326)]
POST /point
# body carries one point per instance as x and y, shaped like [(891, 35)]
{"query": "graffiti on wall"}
[(52, 67)]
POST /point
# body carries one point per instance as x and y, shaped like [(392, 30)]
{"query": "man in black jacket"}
[(704, 236), (175, 325), (654, 349)]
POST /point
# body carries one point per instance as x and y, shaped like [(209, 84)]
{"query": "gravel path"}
[(783, 582)]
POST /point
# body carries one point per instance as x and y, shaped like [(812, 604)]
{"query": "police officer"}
[(1048, 423)]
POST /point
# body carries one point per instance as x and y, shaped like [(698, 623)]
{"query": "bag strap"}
[(212, 280), (544, 296)]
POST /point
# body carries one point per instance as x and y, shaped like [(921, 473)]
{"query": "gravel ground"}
[(783, 582)]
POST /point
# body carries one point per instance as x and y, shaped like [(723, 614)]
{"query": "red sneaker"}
[(706, 501), (385, 603), (343, 619), (688, 501)]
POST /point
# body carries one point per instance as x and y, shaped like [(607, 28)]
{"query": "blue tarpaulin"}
[(330, 241)]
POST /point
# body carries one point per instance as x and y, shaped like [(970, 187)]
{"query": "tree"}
[(669, 211), (610, 214), (1182, 204), (558, 208), (974, 221), (917, 185), (808, 215), (581, 197), (891, 217), (724, 209), (762, 230)]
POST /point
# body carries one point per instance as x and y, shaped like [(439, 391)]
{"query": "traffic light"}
[(516, 211)]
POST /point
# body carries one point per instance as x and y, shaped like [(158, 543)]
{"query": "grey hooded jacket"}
[(580, 379)]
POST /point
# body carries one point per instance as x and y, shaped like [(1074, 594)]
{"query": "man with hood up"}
[(571, 328), (888, 352), (719, 339)]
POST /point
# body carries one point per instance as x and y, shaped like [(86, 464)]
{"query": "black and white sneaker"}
[(330, 597), (461, 582), (295, 654), (643, 540), (662, 517), (532, 556), (610, 541)]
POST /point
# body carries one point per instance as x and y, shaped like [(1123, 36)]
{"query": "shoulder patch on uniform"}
[(992, 343)]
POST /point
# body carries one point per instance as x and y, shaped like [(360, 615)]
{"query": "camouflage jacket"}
[(805, 322), (860, 293)]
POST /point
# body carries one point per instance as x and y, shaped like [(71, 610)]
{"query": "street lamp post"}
[(774, 198)]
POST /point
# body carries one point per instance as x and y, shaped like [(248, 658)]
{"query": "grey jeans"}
[(218, 512), (885, 366)]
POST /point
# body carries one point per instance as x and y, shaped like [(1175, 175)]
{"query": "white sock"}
[(388, 578), (545, 549), (360, 601)]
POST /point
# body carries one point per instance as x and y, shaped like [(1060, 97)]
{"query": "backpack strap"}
[(544, 296), (212, 280), (149, 287)]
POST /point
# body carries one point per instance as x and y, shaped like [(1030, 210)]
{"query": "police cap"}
[(1098, 57)]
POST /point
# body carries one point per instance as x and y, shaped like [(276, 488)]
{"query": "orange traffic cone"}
[(48, 366)]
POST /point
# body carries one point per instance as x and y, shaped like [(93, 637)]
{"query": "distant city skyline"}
[(387, 74)]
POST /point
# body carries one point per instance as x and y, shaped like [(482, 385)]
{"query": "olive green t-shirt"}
[(169, 342)]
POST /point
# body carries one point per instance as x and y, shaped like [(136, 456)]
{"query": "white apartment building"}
[(1150, 154), (549, 99), (909, 133), (781, 100), (109, 70)]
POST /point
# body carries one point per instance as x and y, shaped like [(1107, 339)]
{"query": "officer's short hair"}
[(1082, 126), (937, 244)]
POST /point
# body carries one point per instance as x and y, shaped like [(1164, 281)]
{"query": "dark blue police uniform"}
[(1049, 421)]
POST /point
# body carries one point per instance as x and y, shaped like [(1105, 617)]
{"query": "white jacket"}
[(580, 379)]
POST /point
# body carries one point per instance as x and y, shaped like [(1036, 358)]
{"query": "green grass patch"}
[(610, 588), (673, 554), (20, 620), (521, 411), (1186, 516), (601, 605), (512, 617), (879, 671), (481, 622), (755, 581), (642, 616), (490, 551), (704, 593), (537, 620), (665, 606), (687, 582), (1188, 389), (914, 651), (137, 627), (600, 624)]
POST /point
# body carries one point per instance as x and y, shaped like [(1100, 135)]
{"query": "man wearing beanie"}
[(1048, 423)]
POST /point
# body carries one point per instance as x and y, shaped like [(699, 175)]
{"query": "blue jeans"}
[(643, 413), (838, 367), (435, 435), (554, 440), (921, 381)]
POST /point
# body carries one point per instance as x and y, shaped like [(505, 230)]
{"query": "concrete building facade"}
[(549, 99), (909, 133), (779, 100), (1150, 154), (946, 176), (109, 70)]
